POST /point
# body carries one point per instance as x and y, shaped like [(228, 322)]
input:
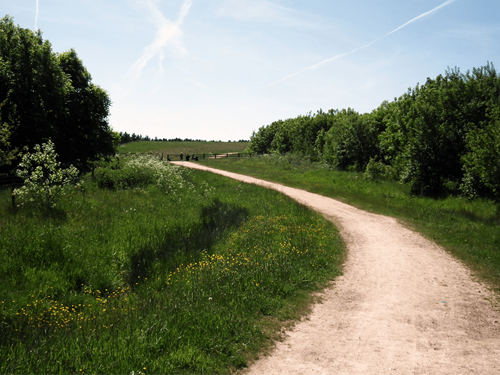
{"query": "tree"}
[(482, 162), (53, 97), (260, 142), (426, 135), (7, 154), (84, 133), (125, 137), (351, 141)]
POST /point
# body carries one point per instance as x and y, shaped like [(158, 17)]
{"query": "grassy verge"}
[(175, 148), (469, 229), (188, 281)]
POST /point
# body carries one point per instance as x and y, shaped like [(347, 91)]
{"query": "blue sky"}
[(220, 69)]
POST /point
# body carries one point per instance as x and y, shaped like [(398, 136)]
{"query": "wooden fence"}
[(191, 157), (196, 157)]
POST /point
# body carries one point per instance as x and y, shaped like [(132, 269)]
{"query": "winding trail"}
[(403, 305)]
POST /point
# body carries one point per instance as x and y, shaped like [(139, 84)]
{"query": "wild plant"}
[(142, 170), (376, 170), (43, 177)]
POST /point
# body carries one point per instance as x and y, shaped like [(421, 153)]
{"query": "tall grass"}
[(469, 229), (154, 281)]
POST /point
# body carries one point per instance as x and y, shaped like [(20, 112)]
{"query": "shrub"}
[(43, 178), (376, 170), (140, 171), (108, 178)]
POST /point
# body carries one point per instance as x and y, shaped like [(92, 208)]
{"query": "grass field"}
[(195, 276), (175, 148), (469, 229)]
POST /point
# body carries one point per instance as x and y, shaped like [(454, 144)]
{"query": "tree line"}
[(442, 137), (127, 138), (49, 96)]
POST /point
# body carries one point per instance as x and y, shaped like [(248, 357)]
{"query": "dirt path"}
[(403, 305)]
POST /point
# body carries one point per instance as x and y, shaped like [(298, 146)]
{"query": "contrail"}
[(312, 67), (36, 16), (166, 31), (421, 16)]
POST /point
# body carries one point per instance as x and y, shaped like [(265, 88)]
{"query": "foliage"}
[(439, 138), (7, 154), (341, 138), (351, 141), (429, 127), (376, 170), (140, 171), (261, 142), (482, 162), (44, 180), (53, 97), (299, 135)]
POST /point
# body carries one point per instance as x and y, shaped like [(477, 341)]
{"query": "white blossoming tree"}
[(43, 178)]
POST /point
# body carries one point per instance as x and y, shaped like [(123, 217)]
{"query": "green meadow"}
[(469, 229), (175, 272), (175, 148)]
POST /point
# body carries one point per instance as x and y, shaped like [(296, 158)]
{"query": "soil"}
[(402, 306)]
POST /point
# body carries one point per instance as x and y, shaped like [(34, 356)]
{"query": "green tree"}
[(53, 97), (426, 136), (84, 133), (7, 153), (482, 161), (351, 141), (261, 141)]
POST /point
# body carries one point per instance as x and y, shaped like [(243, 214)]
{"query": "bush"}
[(140, 171), (376, 170), (43, 178), (116, 179)]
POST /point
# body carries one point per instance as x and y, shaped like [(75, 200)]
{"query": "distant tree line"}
[(49, 96), (442, 137), (127, 138)]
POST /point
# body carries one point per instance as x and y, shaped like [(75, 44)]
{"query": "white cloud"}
[(168, 33)]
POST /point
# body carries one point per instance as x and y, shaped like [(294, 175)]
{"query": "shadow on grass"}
[(493, 219), (56, 214), (191, 239)]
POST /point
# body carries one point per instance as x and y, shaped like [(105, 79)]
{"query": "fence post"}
[(215, 156), (227, 155), (203, 156)]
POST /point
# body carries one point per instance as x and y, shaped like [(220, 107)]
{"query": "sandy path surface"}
[(403, 305)]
